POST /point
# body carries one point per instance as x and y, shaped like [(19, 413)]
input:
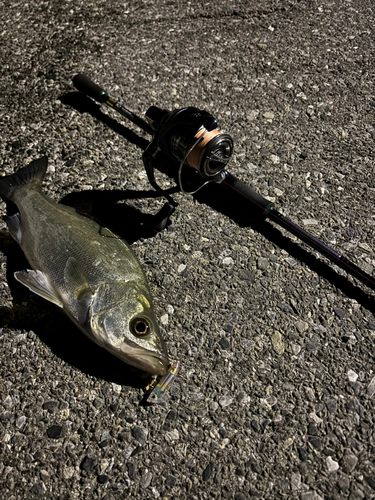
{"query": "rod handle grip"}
[(88, 87)]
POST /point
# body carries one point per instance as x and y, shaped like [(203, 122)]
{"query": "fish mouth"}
[(143, 359)]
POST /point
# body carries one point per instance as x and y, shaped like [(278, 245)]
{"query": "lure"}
[(160, 385)]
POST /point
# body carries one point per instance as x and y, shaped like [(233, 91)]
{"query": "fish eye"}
[(140, 327)]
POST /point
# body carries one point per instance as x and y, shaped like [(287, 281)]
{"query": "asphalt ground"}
[(275, 398)]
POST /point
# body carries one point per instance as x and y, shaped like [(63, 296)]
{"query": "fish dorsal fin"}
[(14, 225), (37, 282), (76, 282)]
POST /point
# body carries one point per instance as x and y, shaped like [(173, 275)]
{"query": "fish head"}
[(123, 322)]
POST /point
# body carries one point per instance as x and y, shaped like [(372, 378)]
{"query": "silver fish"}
[(85, 269)]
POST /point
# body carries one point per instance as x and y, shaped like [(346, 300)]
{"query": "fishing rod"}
[(190, 137)]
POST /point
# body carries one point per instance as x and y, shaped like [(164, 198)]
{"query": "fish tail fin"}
[(31, 174)]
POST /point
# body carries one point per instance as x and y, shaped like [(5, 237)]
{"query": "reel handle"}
[(88, 87)]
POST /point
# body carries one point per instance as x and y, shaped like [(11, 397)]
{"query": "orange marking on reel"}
[(194, 157)]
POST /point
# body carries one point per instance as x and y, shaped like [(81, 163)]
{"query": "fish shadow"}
[(30, 312)]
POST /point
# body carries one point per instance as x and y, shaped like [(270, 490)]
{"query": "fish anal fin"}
[(37, 282)]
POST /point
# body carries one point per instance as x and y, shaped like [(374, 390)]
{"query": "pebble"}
[(352, 376), (172, 436), (20, 422), (332, 466), (88, 464), (331, 405), (277, 343), (164, 319), (145, 480), (225, 401), (262, 263), (269, 115), (371, 387), (55, 432), (170, 481), (68, 472), (208, 471), (228, 261)]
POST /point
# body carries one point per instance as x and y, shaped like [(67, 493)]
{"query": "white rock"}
[(352, 376), (331, 464), (371, 388)]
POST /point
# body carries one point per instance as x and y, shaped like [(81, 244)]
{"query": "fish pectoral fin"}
[(37, 282), (76, 281), (14, 225)]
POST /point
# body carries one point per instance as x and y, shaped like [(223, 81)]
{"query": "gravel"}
[(275, 397)]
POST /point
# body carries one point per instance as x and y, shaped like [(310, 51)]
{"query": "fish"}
[(89, 272)]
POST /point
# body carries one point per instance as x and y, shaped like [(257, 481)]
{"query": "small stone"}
[(371, 387), (315, 442), (228, 261), (145, 479), (164, 319), (8, 402), (302, 326), (310, 394), (331, 405), (343, 484), (39, 489), (50, 405), (224, 343), (170, 481), (332, 466), (370, 480), (352, 376), (225, 401), (340, 313), (98, 403), (132, 470), (139, 434), (239, 496), (310, 495), (262, 263), (255, 425), (295, 481), (312, 429), (88, 464), (20, 422), (55, 432), (172, 436), (68, 472), (296, 349), (103, 478), (277, 343), (269, 115), (349, 461), (207, 473), (5, 416)]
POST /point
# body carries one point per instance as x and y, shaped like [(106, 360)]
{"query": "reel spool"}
[(190, 136)]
